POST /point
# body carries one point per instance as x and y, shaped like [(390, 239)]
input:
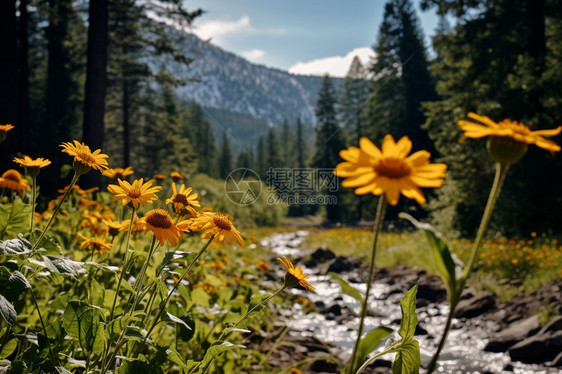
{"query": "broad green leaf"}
[(407, 360), (200, 297), (136, 367), (14, 218), (13, 247), (347, 289), (15, 286), (7, 311), (9, 348), (96, 293), (81, 321), (409, 317), (186, 334), (444, 263), (63, 265), (175, 357), (134, 333), (370, 342), (170, 317), (256, 300)]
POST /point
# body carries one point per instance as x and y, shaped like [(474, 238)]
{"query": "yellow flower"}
[(98, 245), (137, 193), (294, 275), (32, 166), (182, 201), (390, 171), (118, 173), (295, 371), (219, 225), (160, 223), (176, 176), (84, 156), (263, 266), (4, 130), (138, 225), (509, 129), (159, 176), (13, 180)]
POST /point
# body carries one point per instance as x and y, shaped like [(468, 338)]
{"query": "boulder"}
[(319, 256), (342, 264), (538, 348), (514, 333), (475, 306)]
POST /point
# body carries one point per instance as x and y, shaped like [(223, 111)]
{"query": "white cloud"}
[(218, 30), (253, 55), (336, 66)]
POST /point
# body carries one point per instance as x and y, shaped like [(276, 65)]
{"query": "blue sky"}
[(305, 36)]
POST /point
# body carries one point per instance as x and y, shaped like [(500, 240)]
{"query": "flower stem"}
[(501, 171), (364, 306), (125, 263), (53, 357), (66, 193), (163, 304), (33, 197)]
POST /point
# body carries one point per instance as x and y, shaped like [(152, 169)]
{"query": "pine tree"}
[(353, 99), (225, 157), (401, 78), (198, 129), (328, 138), (300, 146), (260, 158), (272, 159)]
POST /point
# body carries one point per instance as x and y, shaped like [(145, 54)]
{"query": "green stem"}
[(124, 264), (53, 357), (163, 304), (364, 306), (501, 171), (33, 197), (72, 183), (140, 277)]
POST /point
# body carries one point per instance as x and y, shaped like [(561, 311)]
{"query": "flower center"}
[(86, 157), (391, 167), (222, 222), (159, 218), (134, 193), (12, 176), (180, 198)]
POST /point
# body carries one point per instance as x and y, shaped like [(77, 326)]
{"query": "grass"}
[(506, 267)]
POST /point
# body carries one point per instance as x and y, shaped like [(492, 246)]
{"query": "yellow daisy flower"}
[(118, 173), (138, 225), (98, 245), (176, 176), (182, 201), (137, 193), (84, 156), (159, 177), (13, 180), (32, 166), (219, 225), (160, 223), (390, 170), (4, 131), (294, 275), (509, 129)]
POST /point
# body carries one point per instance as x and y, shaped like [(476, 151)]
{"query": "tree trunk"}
[(96, 81)]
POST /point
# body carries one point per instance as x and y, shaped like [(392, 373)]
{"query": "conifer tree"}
[(329, 140), (300, 146), (285, 146), (272, 159), (353, 99), (401, 78), (225, 157)]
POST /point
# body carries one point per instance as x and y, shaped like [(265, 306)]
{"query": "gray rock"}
[(514, 333), (538, 348), (475, 306), (555, 324), (557, 362)]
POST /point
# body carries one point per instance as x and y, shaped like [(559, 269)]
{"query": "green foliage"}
[(370, 342), (347, 289), (14, 218), (82, 321)]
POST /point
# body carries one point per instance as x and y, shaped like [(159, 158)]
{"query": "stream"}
[(463, 352)]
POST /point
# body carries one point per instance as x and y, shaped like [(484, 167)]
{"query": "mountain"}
[(223, 80)]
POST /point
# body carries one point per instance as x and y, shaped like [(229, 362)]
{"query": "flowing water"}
[(463, 352)]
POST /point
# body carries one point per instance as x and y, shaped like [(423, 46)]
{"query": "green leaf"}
[(407, 360), (7, 311), (215, 350), (9, 348), (81, 321), (17, 367), (175, 357), (347, 289), (14, 218), (97, 293), (14, 286), (170, 317), (136, 367), (14, 247), (444, 263), (63, 265), (256, 300), (174, 255), (187, 334), (370, 342), (409, 317)]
